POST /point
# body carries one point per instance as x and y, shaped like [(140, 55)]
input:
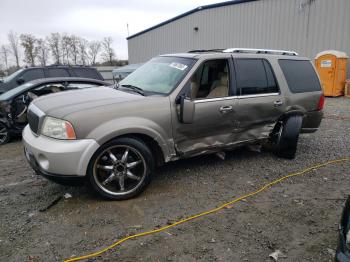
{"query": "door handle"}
[(278, 103), (226, 109)]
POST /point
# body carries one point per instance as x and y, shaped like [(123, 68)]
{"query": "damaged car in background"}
[(174, 106), (14, 103), (343, 252)]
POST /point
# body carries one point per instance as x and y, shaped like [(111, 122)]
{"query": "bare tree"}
[(93, 51), (65, 47), (42, 50), (83, 44), (55, 46), (14, 45), (108, 52), (28, 42), (74, 48), (4, 55)]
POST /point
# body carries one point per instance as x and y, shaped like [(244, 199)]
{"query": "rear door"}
[(260, 102)]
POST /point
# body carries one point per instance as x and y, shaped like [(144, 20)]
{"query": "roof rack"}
[(260, 51), (205, 50)]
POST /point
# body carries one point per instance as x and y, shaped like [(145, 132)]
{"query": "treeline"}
[(56, 48)]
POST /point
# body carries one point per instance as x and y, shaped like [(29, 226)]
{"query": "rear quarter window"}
[(86, 73), (57, 72), (300, 75)]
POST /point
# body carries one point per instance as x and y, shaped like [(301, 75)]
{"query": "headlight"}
[(57, 128)]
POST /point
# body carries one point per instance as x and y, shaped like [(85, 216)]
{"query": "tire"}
[(285, 137), (4, 134), (121, 169)]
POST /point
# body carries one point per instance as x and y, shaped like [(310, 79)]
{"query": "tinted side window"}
[(300, 75), (32, 74), (58, 72), (86, 72), (255, 76)]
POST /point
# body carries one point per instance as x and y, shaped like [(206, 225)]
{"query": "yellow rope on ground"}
[(261, 189)]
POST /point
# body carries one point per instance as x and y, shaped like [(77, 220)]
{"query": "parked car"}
[(343, 252), (14, 103), (172, 107), (122, 72), (25, 75)]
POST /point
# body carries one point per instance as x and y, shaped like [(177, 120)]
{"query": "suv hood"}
[(61, 104)]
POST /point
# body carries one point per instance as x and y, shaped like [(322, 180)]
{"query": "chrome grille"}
[(33, 121), (35, 117)]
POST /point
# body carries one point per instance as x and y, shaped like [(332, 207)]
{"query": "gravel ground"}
[(299, 217)]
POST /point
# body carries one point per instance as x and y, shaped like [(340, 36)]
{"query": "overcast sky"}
[(92, 19)]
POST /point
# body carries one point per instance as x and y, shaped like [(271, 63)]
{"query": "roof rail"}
[(260, 51), (205, 50)]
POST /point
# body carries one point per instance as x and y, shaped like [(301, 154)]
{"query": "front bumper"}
[(53, 157)]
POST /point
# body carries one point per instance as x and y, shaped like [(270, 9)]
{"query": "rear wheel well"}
[(152, 145), (283, 118)]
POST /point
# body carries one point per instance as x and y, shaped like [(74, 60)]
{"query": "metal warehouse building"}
[(306, 26)]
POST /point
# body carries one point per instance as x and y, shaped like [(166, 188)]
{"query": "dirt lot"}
[(299, 217)]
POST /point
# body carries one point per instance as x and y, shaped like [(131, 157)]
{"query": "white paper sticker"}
[(178, 66), (326, 63)]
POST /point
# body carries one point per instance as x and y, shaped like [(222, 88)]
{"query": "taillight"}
[(320, 103)]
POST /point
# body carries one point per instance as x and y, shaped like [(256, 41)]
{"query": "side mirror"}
[(20, 81), (187, 110)]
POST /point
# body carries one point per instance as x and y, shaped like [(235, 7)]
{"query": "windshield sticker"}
[(179, 66)]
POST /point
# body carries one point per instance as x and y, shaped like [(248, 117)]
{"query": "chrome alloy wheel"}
[(119, 170), (4, 135)]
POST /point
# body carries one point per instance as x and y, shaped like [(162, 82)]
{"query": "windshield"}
[(15, 91), (159, 75), (12, 76)]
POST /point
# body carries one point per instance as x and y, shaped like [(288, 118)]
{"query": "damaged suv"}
[(174, 106)]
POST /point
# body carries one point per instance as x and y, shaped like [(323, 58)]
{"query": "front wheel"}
[(121, 168), (4, 134), (285, 137)]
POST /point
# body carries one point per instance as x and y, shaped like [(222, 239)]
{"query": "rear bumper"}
[(311, 121), (58, 158)]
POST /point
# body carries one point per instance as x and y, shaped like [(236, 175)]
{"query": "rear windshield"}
[(300, 75)]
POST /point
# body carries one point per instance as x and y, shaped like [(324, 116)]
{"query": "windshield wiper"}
[(135, 89)]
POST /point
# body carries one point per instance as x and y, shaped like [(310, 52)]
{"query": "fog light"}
[(43, 162)]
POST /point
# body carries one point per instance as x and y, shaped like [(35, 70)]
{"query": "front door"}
[(213, 124)]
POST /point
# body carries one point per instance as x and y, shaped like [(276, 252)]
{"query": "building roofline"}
[(200, 8)]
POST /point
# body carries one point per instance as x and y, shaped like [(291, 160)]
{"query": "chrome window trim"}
[(234, 97), (258, 95), (214, 99)]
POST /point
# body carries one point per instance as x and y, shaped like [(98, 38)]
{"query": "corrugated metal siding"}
[(276, 24)]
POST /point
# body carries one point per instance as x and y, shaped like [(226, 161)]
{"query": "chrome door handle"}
[(278, 103), (226, 109)]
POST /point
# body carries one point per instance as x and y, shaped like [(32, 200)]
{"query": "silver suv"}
[(172, 107)]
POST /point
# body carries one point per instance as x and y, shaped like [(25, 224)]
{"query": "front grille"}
[(33, 120)]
